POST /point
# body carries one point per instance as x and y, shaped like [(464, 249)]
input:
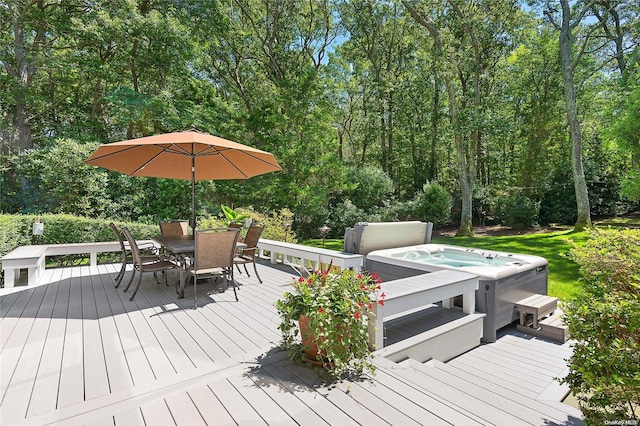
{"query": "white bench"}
[(406, 295), (33, 258), (308, 254)]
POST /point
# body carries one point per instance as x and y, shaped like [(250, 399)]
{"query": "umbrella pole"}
[(193, 195), (193, 226)]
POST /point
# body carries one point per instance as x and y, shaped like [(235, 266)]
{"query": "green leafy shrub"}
[(344, 215), (605, 323), (371, 186), (433, 204), (60, 182), (278, 225), (516, 211), (14, 232), (631, 185)]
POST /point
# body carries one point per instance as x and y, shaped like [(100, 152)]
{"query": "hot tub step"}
[(551, 328), (537, 306)]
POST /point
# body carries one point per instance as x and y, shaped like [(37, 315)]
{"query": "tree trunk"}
[(23, 70), (465, 162), (435, 119), (390, 170), (579, 181)]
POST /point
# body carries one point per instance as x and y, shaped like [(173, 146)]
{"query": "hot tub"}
[(505, 278)]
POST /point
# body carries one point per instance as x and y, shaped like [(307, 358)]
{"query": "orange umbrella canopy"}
[(189, 155), (173, 155)]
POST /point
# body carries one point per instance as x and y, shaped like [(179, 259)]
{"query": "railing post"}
[(376, 327)]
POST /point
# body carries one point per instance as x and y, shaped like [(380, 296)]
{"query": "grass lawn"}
[(563, 272)]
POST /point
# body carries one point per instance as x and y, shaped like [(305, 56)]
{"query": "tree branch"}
[(583, 48)]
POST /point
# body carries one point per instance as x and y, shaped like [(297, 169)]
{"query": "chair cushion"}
[(211, 271)]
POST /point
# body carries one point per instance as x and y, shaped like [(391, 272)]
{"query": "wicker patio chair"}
[(149, 249), (159, 264), (214, 251), (248, 254)]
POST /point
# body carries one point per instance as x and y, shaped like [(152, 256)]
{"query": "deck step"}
[(478, 409), (551, 327), (493, 392)]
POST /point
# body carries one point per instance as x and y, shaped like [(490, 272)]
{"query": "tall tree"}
[(464, 150), (566, 23), (30, 34)]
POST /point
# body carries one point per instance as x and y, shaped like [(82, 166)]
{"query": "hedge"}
[(16, 230)]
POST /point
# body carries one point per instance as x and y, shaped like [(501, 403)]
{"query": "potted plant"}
[(325, 319), (231, 216)]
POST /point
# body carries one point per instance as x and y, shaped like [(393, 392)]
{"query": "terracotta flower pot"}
[(310, 342)]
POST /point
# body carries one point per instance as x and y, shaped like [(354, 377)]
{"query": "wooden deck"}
[(76, 351)]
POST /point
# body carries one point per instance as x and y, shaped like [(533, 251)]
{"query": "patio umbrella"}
[(189, 155)]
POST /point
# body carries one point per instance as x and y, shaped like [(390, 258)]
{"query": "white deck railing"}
[(302, 258)]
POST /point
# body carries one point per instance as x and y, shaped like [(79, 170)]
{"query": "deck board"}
[(96, 380), (15, 345), (529, 411), (159, 362), (302, 402), (527, 354), (527, 359), (183, 410), (71, 388), (131, 417), (489, 366), (505, 380), (44, 396), (119, 374), (80, 352), (260, 398), (490, 412), (374, 413), (294, 408), (241, 411), (433, 402), (157, 413), (172, 320), (16, 398), (210, 407)]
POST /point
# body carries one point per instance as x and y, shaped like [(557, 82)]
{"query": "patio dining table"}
[(183, 247)]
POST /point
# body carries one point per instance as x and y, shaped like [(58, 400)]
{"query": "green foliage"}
[(278, 225), (605, 324), (345, 214), (631, 185), (517, 211), (433, 204), (60, 182), (371, 187), (338, 304), (364, 120), (558, 203), (232, 216), (16, 230)]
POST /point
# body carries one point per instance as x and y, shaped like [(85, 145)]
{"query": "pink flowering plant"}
[(338, 305)]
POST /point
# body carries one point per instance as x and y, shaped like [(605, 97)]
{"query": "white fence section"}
[(302, 258)]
